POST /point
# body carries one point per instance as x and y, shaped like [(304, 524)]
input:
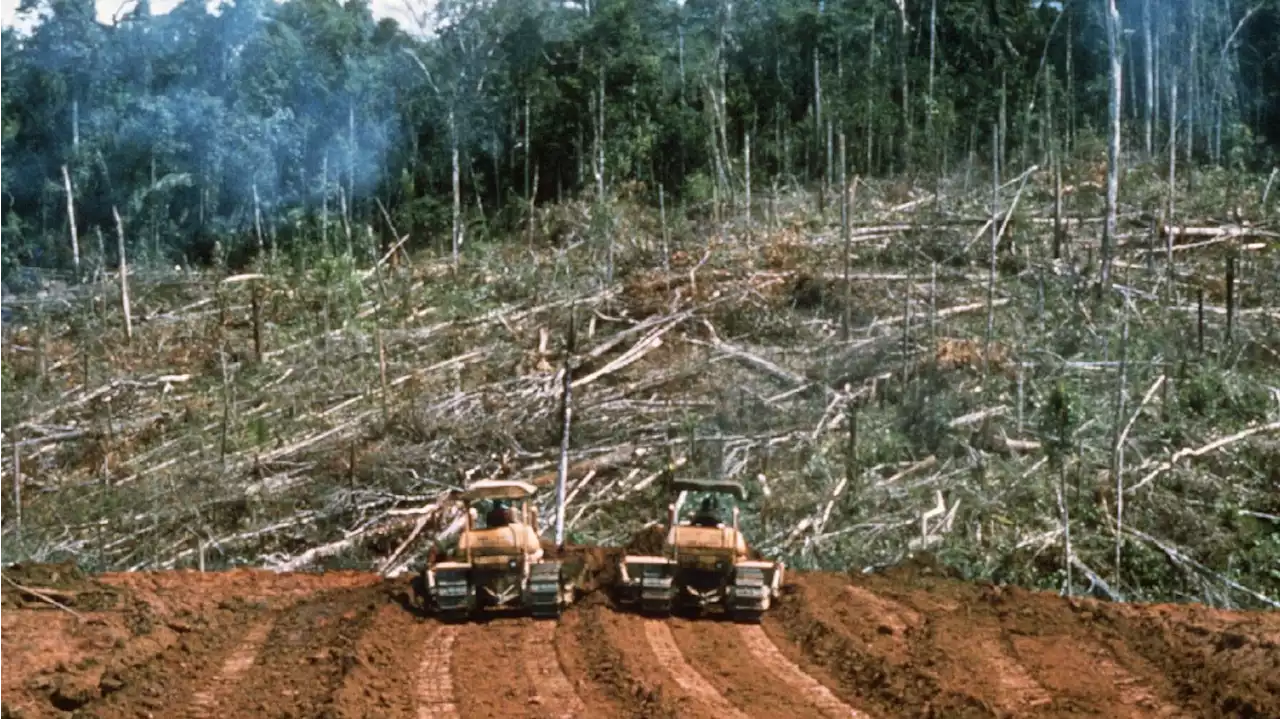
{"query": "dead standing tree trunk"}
[(71, 219), (566, 417), (1113, 147), (17, 484), (457, 188), (1149, 60), (468, 81), (124, 277)]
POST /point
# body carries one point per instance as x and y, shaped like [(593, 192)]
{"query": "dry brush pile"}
[(982, 405)]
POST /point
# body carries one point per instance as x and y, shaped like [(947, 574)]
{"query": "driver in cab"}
[(708, 514)]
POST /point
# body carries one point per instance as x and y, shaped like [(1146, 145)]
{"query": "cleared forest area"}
[(925, 377), (978, 300), (989, 286)]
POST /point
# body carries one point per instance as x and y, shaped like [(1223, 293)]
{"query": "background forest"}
[(993, 279), (179, 119)]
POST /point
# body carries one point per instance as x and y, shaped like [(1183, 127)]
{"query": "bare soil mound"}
[(911, 642)]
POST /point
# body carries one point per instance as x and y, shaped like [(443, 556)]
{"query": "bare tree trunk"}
[(351, 163), (324, 203), (871, 120), (17, 485), (746, 161), (256, 302), (600, 140), (154, 221), (1056, 163), (666, 243), (903, 50), (1131, 86), (817, 96), (830, 176), (1149, 61), (722, 108), (257, 219), (124, 277), (933, 45), (528, 152), (1192, 95), (1173, 160), (71, 219), (1117, 466), (457, 187), (1004, 121), (845, 318), (1071, 83), (566, 417), (995, 246), (1113, 145), (1157, 98), (681, 51)]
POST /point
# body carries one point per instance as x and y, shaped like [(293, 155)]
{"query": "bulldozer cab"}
[(508, 525), (709, 520), (708, 503)]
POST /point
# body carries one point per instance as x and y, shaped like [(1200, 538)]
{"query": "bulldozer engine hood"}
[(500, 541), (699, 540)]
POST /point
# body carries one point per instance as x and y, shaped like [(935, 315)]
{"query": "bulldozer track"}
[(764, 651), (553, 692), (1020, 691), (206, 701), (900, 645), (1139, 697), (699, 689), (434, 687)]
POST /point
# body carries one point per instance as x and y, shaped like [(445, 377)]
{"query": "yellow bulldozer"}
[(704, 563), (499, 564)]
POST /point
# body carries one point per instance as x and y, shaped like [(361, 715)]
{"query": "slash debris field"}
[(911, 642), (937, 410)]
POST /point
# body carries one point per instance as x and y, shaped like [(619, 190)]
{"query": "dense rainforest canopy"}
[(294, 120)]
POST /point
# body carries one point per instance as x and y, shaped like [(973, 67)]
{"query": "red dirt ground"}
[(909, 643)]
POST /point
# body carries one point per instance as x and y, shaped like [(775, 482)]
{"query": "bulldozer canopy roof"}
[(719, 486), (498, 489)]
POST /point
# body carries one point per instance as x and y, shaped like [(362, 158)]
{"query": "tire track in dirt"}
[(873, 664), (749, 679), (433, 691), (307, 655), (890, 622), (786, 671), (668, 654), (616, 674), (1085, 676), (205, 702), (968, 652), (745, 667), (488, 668), (1033, 653), (382, 684), (196, 673), (553, 693), (1025, 653), (1219, 665), (511, 667)]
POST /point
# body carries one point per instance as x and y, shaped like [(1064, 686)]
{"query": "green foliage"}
[(181, 117), (1058, 422), (1209, 392)]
